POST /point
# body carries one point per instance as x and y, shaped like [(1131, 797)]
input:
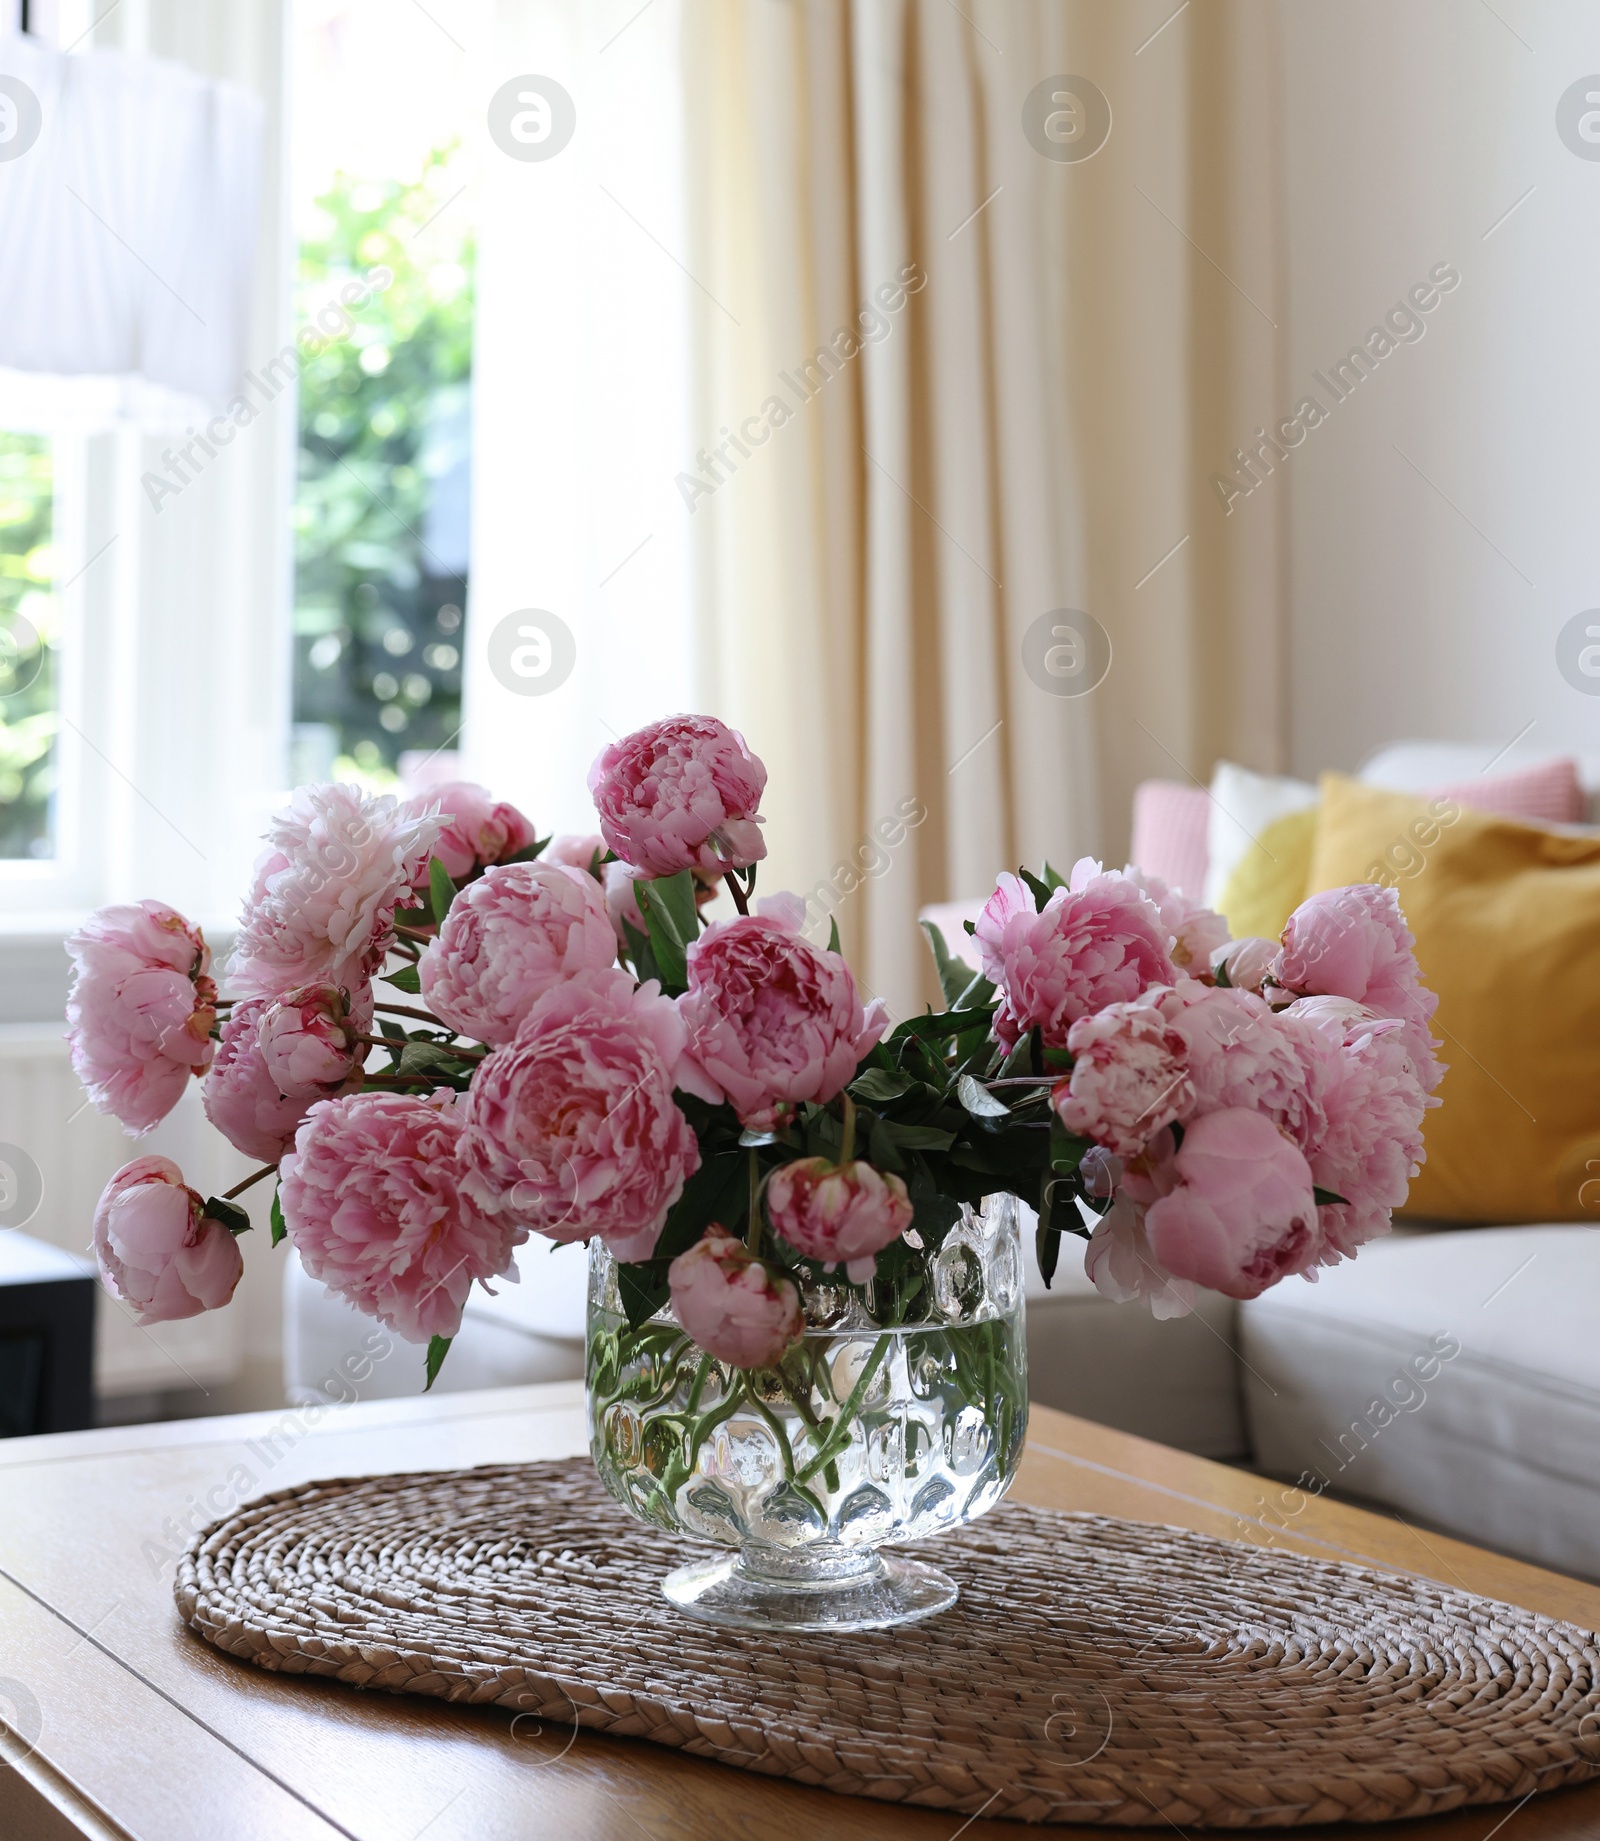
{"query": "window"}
[(29, 649)]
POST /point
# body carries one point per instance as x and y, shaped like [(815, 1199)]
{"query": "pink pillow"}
[(1169, 833), (1548, 794)]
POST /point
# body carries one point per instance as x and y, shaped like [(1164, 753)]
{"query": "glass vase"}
[(869, 1434)]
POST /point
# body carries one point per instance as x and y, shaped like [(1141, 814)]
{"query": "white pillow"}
[(1243, 806)]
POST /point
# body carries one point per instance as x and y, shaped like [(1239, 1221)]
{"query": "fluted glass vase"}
[(868, 1435)]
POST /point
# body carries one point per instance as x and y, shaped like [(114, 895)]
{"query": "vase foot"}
[(812, 1589)]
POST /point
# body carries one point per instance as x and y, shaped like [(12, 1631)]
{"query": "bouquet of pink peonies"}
[(443, 1033)]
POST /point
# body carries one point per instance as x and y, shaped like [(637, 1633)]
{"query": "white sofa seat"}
[(529, 1331), (1452, 1374)]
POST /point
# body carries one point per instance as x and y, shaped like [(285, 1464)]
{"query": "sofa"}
[(1450, 1374)]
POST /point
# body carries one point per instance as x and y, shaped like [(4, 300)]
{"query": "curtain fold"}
[(1075, 348)]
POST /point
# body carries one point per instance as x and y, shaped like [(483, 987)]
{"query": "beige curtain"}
[(1035, 430)]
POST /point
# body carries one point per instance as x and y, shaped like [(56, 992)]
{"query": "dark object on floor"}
[(47, 1303)]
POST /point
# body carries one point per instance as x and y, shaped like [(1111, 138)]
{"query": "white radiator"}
[(43, 1111)]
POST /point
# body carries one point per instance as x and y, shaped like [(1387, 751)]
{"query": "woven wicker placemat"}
[(1093, 1670)]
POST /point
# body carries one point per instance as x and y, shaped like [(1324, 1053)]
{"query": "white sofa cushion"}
[(1453, 1374)]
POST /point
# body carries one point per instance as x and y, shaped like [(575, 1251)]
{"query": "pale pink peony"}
[(577, 852), (1197, 931), (772, 1020), (1247, 962), (1129, 1077), (477, 829), (622, 904), (509, 937), (372, 1197), (1241, 1054), (678, 794), (1098, 941), (1243, 1215), (1370, 1143), (1122, 1267), (337, 863), (1353, 942), (838, 1213), (734, 1306), (141, 1010), (572, 1129), (156, 1250), (308, 1039), (242, 1097)]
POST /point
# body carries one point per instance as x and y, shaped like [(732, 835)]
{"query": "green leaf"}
[(715, 1189), (1066, 1148), (230, 1214), (882, 1150), (643, 1289), (1052, 879), (833, 932), (413, 917), (441, 892), (406, 979), (1223, 981), (970, 928), (421, 1057), (669, 911), (644, 960), (1041, 890), (390, 1030), (529, 851), (877, 1086), (979, 1101), (939, 1025), (1325, 1198), (954, 974), (1047, 1246), (438, 1349), (918, 1137), (280, 1227), (676, 895)]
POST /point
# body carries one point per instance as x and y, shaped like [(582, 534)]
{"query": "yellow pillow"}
[(1270, 881), (1507, 922)]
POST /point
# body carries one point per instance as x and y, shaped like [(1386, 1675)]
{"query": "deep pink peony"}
[(1129, 1077), (771, 1019), (242, 1097), (1241, 1054), (337, 863), (1369, 1145), (1197, 931), (372, 1198), (678, 794), (576, 851), (477, 829), (508, 938), (1353, 942), (141, 1010), (1122, 1267), (1243, 1215), (308, 1039), (734, 1307), (155, 1249), (838, 1213), (1098, 941), (572, 1129)]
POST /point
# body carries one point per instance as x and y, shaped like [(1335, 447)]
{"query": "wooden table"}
[(145, 1731)]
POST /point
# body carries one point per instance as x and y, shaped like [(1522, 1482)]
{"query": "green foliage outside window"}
[(29, 668), (378, 618)]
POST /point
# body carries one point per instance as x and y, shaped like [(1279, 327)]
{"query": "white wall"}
[(1410, 131)]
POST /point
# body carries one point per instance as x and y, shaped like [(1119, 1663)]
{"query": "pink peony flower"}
[(621, 902), (308, 1039), (1129, 1077), (680, 793), (156, 1250), (373, 1200), (577, 852), (141, 1010), (1353, 942), (477, 829), (1197, 932), (572, 1129), (734, 1307), (242, 1097), (771, 1019), (1247, 962), (1240, 1054), (838, 1212), (1370, 1143), (338, 862), (1243, 1215), (1122, 1267), (1098, 941), (508, 938)]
